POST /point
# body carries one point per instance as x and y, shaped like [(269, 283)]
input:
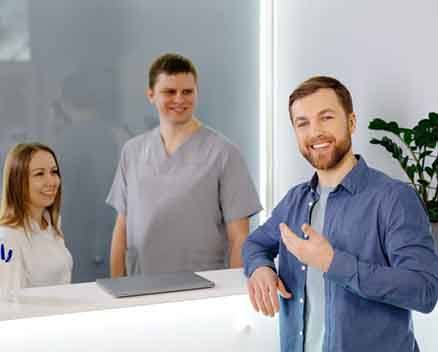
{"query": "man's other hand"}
[(262, 288)]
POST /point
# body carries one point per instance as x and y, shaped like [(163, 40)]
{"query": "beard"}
[(325, 161)]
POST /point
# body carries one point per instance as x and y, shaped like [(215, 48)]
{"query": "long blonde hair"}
[(14, 210)]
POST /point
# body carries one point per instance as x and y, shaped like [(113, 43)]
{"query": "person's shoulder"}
[(217, 139), (215, 145), (10, 236), (137, 143), (296, 192), (7, 230), (140, 139), (228, 151), (293, 198), (387, 187), (294, 195)]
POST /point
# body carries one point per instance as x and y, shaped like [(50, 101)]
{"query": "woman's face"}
[(44, 180)]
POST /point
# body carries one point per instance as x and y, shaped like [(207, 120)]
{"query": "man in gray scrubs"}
[(182, 191)]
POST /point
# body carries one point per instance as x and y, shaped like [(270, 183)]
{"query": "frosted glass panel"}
[(73, 75), (14, 29)]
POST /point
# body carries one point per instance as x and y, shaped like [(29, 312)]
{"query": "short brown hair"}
[(312, 84), (170, 64), (14, 210)]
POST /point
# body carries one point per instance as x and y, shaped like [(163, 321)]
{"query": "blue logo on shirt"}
[(3, 256)]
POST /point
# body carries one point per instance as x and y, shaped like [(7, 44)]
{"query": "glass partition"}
[(73, 75)]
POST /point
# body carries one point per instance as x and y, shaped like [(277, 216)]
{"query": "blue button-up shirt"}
[(383, 267)]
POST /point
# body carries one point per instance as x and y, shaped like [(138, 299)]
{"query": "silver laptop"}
[(148, 284)]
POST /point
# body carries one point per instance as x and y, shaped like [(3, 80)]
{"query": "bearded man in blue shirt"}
[(355, 253)]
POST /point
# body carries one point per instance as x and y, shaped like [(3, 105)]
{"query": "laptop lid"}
[(148, 284)]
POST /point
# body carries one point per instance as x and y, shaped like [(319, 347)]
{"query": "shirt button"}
[(303, 268), (310, 204), (301, 300), (306, 236), (301, 333)]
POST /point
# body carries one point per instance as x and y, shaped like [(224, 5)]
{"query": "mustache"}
[(320, 140)]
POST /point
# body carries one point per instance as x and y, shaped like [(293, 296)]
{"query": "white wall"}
[(384, 51)]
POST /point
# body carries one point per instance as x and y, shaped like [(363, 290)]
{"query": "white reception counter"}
[(82, 317)]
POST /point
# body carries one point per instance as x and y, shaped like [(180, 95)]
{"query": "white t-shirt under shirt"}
[(38, 259), (315, 296)]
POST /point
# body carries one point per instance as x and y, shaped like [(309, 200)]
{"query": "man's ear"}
[(291, 118), (352, 122), (149, 93)]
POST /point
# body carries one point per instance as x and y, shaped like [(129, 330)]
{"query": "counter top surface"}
[(84, 297)]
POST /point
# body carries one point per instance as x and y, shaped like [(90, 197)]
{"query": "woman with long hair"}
[(32, 249)]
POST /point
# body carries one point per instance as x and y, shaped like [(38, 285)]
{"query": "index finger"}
[(251, 294), (274, 299)]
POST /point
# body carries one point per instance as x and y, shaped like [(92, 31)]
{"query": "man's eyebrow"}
[(37, 169), (300, 118), (325, 111), (322, 112)]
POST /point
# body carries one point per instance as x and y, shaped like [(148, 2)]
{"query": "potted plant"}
[(416, 150)]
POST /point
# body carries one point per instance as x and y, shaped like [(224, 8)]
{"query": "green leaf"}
[(425, 123), (434, 133), (433, 117), (381, 125), (433, 214), (429, 171), (421, 137), (432, 209), (377, 124), (410, 170), (404, 162), (389, 145), (393, 127), (435, 165), (407, 136), (424, 154), (424, 183)]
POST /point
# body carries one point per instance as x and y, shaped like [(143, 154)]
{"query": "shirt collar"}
[(353, 182)]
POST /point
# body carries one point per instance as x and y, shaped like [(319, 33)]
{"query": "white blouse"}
[(38, 259)]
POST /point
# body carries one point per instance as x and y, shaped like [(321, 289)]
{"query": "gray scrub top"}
[(177, 207)]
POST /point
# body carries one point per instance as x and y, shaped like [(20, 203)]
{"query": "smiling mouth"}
[(320, 146), (48, 194), (178, 110)]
